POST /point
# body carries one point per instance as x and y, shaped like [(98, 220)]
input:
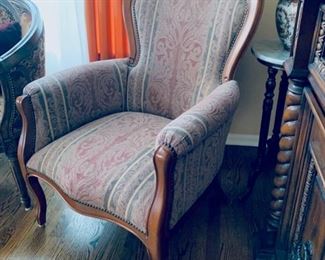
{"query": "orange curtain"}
[(107, 38)]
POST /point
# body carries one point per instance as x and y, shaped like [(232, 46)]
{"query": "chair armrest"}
[(69, 99), (202, 120)]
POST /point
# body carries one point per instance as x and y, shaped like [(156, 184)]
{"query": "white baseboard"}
[(243, 140)]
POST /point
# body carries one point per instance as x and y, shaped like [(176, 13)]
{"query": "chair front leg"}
[(158, 248), (157, 245), (41, 200)]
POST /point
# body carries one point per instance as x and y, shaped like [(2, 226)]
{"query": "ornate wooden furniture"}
[(136, 141), (272, 55), (296, 223), (20, 65)]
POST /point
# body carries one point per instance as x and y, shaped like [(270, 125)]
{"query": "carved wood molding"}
[(297, 70), (303, 249), (305, 200), (286, 144), (319, 63)]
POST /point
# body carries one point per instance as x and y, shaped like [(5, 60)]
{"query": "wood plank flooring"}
[(218, 227)]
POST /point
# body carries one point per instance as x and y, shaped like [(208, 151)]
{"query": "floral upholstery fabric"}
[(202, 120), (107, 164), (97, 125), (119, 149), (64, 101), (184, 46), (195, 171), (198, 138)]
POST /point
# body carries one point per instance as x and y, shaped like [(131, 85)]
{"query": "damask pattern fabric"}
[(184, 46), (65, 101), (107, 164), (202, 120), (98, 125), (198, 138), (195, 171)]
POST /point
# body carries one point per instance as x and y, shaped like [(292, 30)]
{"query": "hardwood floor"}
[(218, 227)]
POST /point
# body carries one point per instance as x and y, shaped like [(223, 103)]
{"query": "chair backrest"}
[(185, 49), (20, 65)]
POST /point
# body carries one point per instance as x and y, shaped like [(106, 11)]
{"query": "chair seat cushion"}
[(107, 164)]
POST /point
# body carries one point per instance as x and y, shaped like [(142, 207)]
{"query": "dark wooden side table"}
[(272, 55)]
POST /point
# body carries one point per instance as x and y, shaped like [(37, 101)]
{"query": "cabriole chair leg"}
[(41, 200), (158, 250)]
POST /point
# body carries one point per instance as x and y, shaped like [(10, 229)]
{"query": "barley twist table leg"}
[(286, 144), (265, 123), (273, 143)]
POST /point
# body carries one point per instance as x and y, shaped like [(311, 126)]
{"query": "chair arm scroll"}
[(202, 120), (69, 99)]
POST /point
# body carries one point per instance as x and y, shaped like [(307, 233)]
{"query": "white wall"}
[(251, 77)]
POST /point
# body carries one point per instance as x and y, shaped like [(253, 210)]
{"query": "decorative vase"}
[(285, 21)]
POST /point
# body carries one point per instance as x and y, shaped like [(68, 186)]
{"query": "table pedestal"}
[(272, 144), (272, 55)]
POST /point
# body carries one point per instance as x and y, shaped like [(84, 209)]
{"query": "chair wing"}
[(67, 100), (183, 48)]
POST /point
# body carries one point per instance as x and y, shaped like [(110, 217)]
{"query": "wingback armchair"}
[(137, 141), (23, 63)]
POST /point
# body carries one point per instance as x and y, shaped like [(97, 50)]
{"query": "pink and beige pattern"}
[(103, 162), (184, 46), (67, 100), (107, 164), (194, 172), (141, 139), (198, 138), (202, 120)]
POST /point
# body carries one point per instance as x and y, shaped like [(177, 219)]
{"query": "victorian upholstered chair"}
[(137, 141), (21, 64)]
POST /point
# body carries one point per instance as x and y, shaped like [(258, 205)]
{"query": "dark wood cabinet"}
[(298, 206), (308, 225)]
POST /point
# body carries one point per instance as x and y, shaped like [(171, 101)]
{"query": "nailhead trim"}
[(169, 147), (134, 62), (109, 212)]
